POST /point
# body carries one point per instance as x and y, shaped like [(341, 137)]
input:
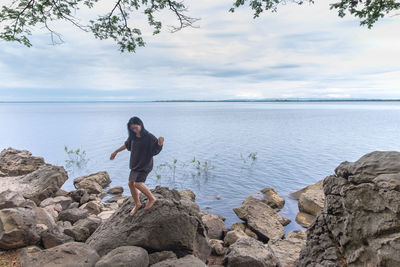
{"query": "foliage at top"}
[(19, 17)]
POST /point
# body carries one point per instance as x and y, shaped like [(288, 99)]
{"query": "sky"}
[(302, 51)]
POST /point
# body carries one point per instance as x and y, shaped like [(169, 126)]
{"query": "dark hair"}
[(137, 121)]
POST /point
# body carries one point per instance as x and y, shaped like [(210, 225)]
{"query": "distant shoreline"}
[(216, 101)]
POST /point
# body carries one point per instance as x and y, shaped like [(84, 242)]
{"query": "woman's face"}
[(135, 128)]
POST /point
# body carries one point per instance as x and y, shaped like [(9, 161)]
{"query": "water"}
[(295, 144)]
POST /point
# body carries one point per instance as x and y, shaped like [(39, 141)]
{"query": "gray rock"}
[(304, 219), (44, 217), (359, 224), (243, 227), (261, 219), (62, 200), (272, 198), (115, 190), (311, 201), (73, 205), (93, 207), (250, 252), (125, 256), (15, 162), (53, 237), (76, 195), (37, 185), (93, 183), (215, 226), (188, 260), (161, 256), (71, 254), (188, 194), (115, 199), (232, 236), (166, 226), (73, 215), (217, 247), (18, 228), (288, 250), (11, 199), (82, 229)]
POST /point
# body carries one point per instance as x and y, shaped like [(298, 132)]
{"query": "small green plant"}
[(76, 158), (252, 156)]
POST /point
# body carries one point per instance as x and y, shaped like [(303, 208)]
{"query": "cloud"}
[(300, 51)]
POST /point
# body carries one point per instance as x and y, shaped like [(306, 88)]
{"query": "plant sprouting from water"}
[(76, 159), (251, 156)]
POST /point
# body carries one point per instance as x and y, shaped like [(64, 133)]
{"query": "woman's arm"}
[(157, 145), (117, 151)]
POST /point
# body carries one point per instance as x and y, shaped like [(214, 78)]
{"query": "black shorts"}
[(135, 176)]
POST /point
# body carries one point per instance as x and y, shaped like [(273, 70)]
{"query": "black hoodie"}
[(142, 151)]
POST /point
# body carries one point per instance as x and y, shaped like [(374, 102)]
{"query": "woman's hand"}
[(113, 155), (160, 141)]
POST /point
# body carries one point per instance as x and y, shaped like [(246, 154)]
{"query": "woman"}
[(143, 146)]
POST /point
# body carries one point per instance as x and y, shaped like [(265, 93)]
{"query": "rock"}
[(104, 215), (232, 236), (261, 219), (85, 198), (116, 190), (359, 224), (93, 183), (288, 250), (304, 219), (215, 226), (188, 260), (82, 229), (73, 205), (311, 201), (69, 254), (37, 185), (125, 256), (53, 210), (11, 199), (93, 207), (62, 200), (73, 215), (188, 194), (63, 224), (115, 199), (76, 195), (61, 192), (168, 225), (44, 217), (250, 252), (242, 227), (53, 237), (272, 198), (18, 228), (161, 256), (217, 247), (15, 162)]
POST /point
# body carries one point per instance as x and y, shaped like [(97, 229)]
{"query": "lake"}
[(222, 151)]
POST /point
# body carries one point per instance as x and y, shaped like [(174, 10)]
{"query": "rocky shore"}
[(353, 218)]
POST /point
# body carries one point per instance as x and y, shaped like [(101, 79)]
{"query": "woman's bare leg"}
[(135, 196), (148, 194)]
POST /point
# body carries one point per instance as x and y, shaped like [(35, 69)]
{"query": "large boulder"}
[(287, 250), (188, 260), (11, 199), (54, 237), (93, 183), (272, 198), (250, 252), (261, 218), (82, 229), (37, 185), (18, 228), (125, 256), (64, 201), (215, 225), (168, 225), (359, 224), (70, 254), (311, 202), (15, 162), (73, 215)]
